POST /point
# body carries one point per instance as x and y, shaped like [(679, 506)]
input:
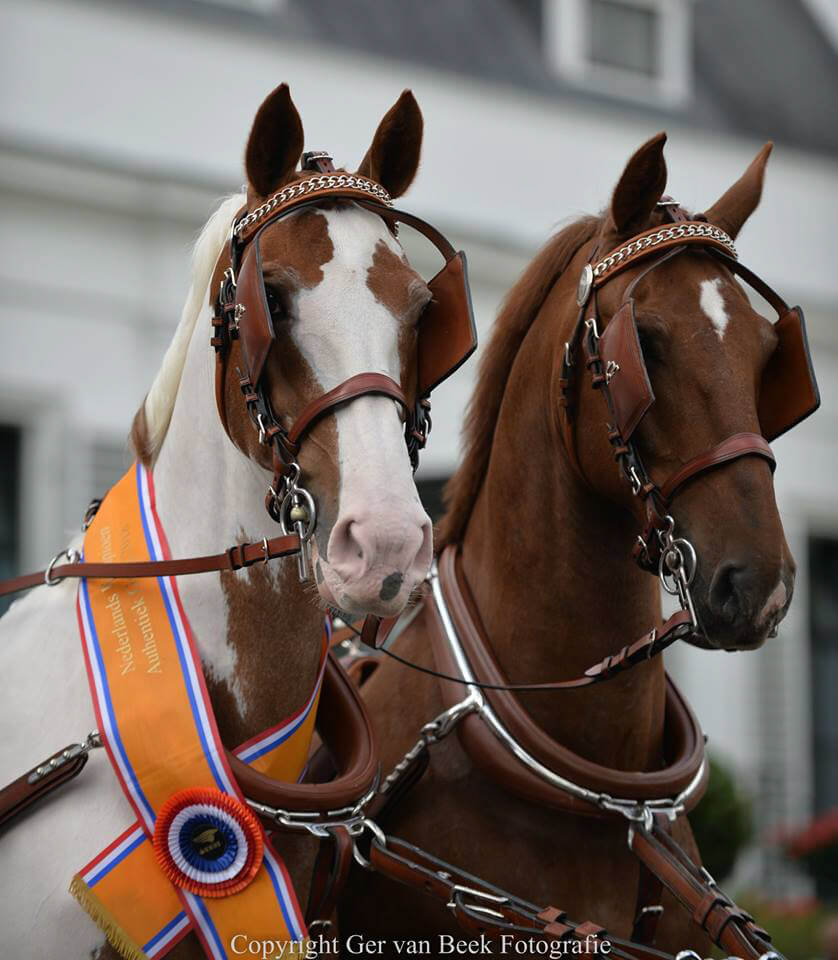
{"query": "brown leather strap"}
[(484, 909), (726, 924), (686, 233), (344, 724), (331, 871), (375, 630), (390, 214), (33, 785), (739, 445), (475, 640), (685, 743), (769, 294), (357, 386), (648, 908), (234, 558)]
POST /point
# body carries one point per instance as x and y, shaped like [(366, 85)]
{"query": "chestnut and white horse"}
[(346, 302)]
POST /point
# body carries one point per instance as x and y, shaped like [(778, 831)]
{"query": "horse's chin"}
[(343, 598), (733, 639)]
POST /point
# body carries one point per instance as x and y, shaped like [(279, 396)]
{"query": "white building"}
[(122, 123)]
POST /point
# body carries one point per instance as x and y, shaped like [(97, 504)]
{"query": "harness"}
[(614, 359), (499, 736), (447, 337), (346, 810)]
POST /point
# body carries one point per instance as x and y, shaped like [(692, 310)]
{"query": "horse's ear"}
[(275, 143), (393, 157), (640, 187), (734, 207)]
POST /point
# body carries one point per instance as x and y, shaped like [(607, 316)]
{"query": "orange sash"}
[(197, 857)]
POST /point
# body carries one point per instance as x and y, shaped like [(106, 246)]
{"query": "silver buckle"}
[(73, 556)]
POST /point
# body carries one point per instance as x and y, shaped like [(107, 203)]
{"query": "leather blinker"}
[(628, 380), (788, 390), (255, 326), (447, 332)]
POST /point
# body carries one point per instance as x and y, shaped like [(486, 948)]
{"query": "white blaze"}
[(713, 304)]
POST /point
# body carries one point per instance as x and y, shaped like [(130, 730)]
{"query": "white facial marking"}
[(381, 536), (336, 316), (712, 303)]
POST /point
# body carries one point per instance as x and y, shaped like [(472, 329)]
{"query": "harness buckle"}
[(263, 430), (73, 556)]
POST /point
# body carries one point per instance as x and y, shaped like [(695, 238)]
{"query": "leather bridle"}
[(241, 313), (616, 367)]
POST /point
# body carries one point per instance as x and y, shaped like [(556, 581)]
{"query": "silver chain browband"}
[(665, 233), (314, 185)]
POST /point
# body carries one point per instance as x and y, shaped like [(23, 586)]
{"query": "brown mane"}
[(519, 309)]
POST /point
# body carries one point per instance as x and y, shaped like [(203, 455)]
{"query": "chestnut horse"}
[(545, 550), (344, 300)]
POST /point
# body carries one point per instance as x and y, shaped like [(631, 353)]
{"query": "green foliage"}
[(722, 821), (796, 928)]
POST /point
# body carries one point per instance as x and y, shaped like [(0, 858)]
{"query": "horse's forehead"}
[(355, 235), (711, 299), (701, 295), (299, 248)]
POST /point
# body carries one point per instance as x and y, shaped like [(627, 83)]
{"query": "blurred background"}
[(123, 123)]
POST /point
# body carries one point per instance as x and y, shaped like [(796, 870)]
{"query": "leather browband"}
[(658, 239)]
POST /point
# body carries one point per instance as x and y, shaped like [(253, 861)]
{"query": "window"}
[(823, 629), (823, 624), (622, 35), (9, 506), (639, 49)]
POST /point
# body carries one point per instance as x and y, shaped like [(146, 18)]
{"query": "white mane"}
[(160, 400)]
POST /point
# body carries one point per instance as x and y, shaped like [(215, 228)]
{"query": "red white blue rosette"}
[(208, 842)]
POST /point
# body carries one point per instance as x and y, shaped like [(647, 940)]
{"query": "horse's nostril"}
[(728, 591)]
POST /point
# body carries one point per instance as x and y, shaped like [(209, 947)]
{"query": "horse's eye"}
[(274, 303), (650, 346)]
